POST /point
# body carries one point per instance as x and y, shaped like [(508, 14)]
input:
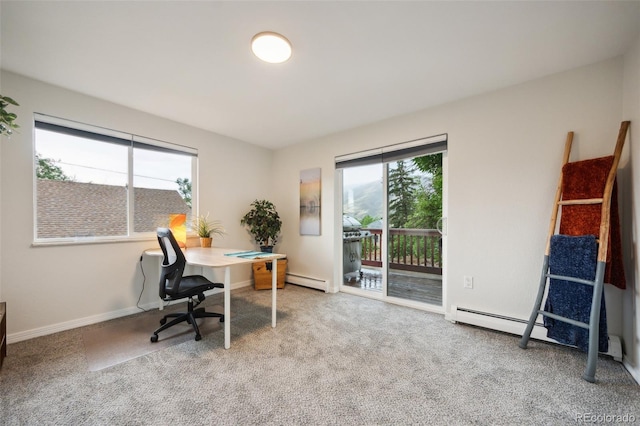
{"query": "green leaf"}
[(9, 100)]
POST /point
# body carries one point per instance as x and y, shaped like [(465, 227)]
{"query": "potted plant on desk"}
[(263, 222), (206, 228)]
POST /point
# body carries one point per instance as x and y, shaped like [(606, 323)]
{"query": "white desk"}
[(215, 258)]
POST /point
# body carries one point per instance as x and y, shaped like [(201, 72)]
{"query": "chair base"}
[(190, 317)]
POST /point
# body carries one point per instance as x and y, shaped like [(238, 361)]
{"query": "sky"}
[(366, 174), (362, 174), (85, 160)]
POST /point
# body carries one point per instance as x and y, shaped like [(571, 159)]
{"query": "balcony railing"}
[(418, 250)]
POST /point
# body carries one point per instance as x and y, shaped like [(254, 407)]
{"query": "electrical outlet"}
[(468, 281)]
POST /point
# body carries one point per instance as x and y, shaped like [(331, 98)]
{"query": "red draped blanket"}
[(587, 179)]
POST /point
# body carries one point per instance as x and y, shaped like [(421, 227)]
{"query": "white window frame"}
[(135, 140)]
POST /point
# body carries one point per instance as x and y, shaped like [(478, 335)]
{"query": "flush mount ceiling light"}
[(271, 47)]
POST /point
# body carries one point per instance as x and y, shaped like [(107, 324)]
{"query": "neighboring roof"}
[(153, 206), (74, 209)]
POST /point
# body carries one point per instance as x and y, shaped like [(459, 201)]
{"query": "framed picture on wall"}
[(310, 207)]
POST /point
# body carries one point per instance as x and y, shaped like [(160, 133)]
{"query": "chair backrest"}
[(172, 265)]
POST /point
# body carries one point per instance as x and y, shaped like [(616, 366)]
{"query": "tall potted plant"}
[(206, 228), (263, 222)]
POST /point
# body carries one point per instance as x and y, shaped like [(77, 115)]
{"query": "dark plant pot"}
[(267, 249)]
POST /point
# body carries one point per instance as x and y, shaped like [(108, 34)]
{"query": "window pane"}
[(162, 186), (81, 187), (84, 174)]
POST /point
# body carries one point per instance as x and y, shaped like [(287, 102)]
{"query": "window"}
[(83, 175)]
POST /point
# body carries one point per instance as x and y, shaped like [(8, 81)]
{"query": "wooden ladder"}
[(603, 244)]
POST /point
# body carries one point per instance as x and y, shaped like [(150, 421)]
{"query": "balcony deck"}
[(415, 265), (419, 287)]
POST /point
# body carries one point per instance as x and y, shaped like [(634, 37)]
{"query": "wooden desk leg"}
[(227, 307), (274, 291)]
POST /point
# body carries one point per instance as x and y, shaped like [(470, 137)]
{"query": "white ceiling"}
[(353, 63)]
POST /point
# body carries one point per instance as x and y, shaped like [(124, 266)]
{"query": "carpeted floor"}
[(334, 359)]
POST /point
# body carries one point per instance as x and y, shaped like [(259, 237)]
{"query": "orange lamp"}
[(178, 226)]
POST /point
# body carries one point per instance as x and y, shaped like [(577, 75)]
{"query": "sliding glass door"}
[(414, 255), (363, 210), (392, 210)]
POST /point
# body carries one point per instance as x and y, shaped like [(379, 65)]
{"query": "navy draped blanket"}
[(573, 256)]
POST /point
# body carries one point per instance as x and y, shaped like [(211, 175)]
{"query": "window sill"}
[(105, 240), (91, 241)]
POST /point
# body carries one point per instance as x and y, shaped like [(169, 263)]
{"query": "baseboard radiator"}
[(516, 326), (311, 282)]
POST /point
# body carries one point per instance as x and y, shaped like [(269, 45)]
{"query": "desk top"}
[(215, 257)]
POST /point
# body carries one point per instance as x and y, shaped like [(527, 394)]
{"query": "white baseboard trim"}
[(94, 319), (494, 323), (312, 282), (517, 326), (634, 371)]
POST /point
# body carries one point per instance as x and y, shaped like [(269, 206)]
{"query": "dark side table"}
[(3, 331)]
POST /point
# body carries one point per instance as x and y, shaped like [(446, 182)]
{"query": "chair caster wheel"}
[(198, 337), (163, 321), (154, 338), (221, 319)]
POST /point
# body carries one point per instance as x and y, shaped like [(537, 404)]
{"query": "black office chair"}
[(174, 286)]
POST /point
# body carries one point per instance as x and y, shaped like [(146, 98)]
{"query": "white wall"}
[(505, 151), (631, 220), (49, 288)]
